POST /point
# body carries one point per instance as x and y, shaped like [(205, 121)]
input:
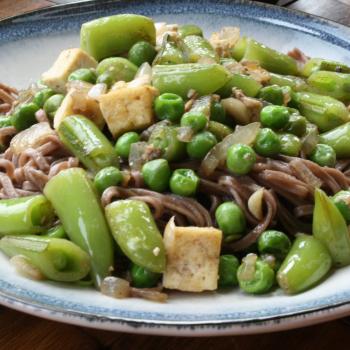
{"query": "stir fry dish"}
[(153, 159)]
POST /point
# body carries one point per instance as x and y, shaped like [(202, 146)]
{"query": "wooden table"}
[(20, 331)]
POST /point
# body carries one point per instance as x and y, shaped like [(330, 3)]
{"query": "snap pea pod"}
[(76, 203), (332, 84), (25, 215), (169, 53), (270, 59), (296, 83), (115, 35), (57, 259), (134, 229), (247, 84), (56, 232), (87, 142), (338, 139), (197, 48), (180, 78), (306, 264), (189, 29), (329, 227), (219, 130), (238, 50), (316, 64), (324, 111)]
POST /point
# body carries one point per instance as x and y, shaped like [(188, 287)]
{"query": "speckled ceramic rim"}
[(22, 26)]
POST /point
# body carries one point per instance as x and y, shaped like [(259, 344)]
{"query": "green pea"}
[(218, 114), (41, 96), (255, 276), (142, 52), (274, 117), (296, 125), (290, 145), (106, 78), (156, 174), (52, 104), (119, 68), (142, 277), (275, 243), (228, 266), (83, 74), (196, 120), (24, 116), (124, 143), (201, 144), (240, 159), (273, 94), (342, 201), (231, 220), (169, 106), (267, 143), (324, 155), (184, 182), (189, 29), (106, 177)]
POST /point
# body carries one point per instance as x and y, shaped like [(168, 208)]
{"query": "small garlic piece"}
[(255, 203)]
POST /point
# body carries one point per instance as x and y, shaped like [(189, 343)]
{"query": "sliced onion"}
[(236, 110), (136, 155), (185, 133), (144, 69), (248, 267), (255, 203), (115, 287), (310, 140), (97, 90), (149, 294), (32, 137), (25, 268), (216, 156)]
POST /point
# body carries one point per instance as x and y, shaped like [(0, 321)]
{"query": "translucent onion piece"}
[(248, 270), (185, 133), (149, 294), (310, 140), (144, 69), (25, 268), (255, 203), (115, 287), (32, 137), (136, 155), (236, 110), (217, 155), (97, 90)]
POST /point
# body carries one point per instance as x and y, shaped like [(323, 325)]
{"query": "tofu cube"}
[(192, 255), (85, 106), (128, 108), (67, 62)]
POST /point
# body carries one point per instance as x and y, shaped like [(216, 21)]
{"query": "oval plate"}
[(28, 46)]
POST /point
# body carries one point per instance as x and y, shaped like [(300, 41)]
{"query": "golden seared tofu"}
[(192, 255), (78, 101), (67, 62), (128, 108)]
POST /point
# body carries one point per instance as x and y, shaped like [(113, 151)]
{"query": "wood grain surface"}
[(19, 331)]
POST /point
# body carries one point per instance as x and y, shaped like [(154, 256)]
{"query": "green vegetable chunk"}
[(57, 259), (181, 78), (306, 264), (142, 52), (201, 144), (220, 131), (195, 120), (329, 227), (267, 143), (170, 52), (231, 220), (197, 48), (290, 144), (274, 117), (56, 232), (320, 64), (324, 155), (339, 140), (115, 35), (25, 215), (83, 74), (24, 116), (77, 206), (275, 243), (136, 233), (240, 159), (218, 114), (52, 104), (41, 96), (324, 111), (295, 83), (189, 29), (124, 143), (255, 276), (228, 266), (342, 202), (296, 125), (184, 182), (106, 177), (247, 84), (143, 278), (156, 174), (169, 106), (87, 142)]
